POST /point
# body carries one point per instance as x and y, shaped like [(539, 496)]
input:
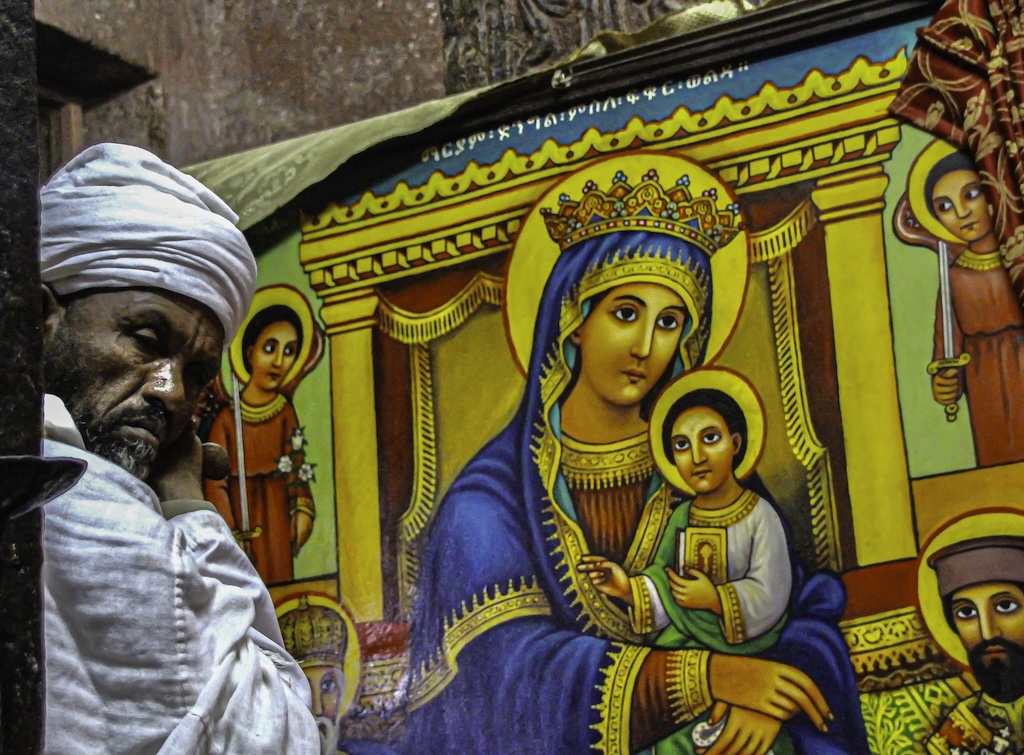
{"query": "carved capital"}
[(849, 195), (355, 310)]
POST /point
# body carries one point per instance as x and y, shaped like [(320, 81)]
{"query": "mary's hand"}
[(767, 687), (746, 732), (607, 576)]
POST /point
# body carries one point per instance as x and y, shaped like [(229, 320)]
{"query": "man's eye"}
[(626, 314), (289, 350), (973, 193), (668, 322), (327, 685), (712, 437), (943, 205), (965, 612), (268, 348), (1007, 605), (147, 337), (681, 444)]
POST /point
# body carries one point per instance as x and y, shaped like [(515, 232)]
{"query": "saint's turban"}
[(119, 217), (999, 558)]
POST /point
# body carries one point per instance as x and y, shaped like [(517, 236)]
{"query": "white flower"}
[(306, 472), (298, 440), (284, 464)]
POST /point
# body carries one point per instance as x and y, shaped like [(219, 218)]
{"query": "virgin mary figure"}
[(514, 650)]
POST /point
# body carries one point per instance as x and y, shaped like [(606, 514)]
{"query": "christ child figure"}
[(722, 576)]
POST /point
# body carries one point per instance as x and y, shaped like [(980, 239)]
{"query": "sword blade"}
[(946, 302), (243, 493)]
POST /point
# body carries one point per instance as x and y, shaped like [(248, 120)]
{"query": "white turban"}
[(119, 217)]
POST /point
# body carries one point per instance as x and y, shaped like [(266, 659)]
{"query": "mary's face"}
[(961, 206), (629, 340), (273, 355)]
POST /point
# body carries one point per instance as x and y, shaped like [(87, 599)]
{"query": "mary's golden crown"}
[(646, 207)]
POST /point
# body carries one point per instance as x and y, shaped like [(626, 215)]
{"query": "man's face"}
[(327, 682), (130, 365), (989, 617)]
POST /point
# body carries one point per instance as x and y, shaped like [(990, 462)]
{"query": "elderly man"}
[(981, 582), (159, 634)]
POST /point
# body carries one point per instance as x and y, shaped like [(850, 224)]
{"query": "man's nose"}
[(278, 359), (989, 625), (166, 383), (698, 453), (318, 705)]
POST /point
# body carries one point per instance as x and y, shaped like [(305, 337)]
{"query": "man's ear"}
[(53, 313)]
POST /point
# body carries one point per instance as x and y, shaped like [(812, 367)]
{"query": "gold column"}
[(349, 319), (851, 207)]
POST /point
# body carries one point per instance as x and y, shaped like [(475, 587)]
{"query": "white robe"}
[(159, 634)]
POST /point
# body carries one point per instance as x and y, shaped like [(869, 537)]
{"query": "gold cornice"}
[(818, 92), (337, 264), (825, 125)]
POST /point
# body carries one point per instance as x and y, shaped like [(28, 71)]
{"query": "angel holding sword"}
[(272, 513), (979, 325)]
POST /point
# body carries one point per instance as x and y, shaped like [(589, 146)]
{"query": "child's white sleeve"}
[(754, 604)]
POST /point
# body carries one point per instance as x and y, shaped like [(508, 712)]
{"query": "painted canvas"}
[(683, 420)]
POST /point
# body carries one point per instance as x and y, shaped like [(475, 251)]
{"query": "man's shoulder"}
[(105, 495)]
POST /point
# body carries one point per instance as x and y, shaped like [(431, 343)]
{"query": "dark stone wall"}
[(21, 378), (485, 43), (236, 74)]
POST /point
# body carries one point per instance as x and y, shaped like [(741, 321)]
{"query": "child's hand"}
[(695, 590), (607, 576)]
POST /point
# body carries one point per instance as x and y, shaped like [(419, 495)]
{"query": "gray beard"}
[(328, 735), (133, 455)]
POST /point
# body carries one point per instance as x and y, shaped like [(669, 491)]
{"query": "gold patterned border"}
[(617, 698), (424, 448), (893, 649), (803, 440), (641, 615), (816, 92), (689, 690), (485, 612), (733, 624)]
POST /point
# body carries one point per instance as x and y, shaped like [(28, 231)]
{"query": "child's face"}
[(703, 449), (273, 355), (961, 206)]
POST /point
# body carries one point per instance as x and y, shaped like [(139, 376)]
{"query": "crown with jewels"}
[(646, 207)]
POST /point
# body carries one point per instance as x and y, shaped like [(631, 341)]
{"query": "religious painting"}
[(273, 514), (719, 367)]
